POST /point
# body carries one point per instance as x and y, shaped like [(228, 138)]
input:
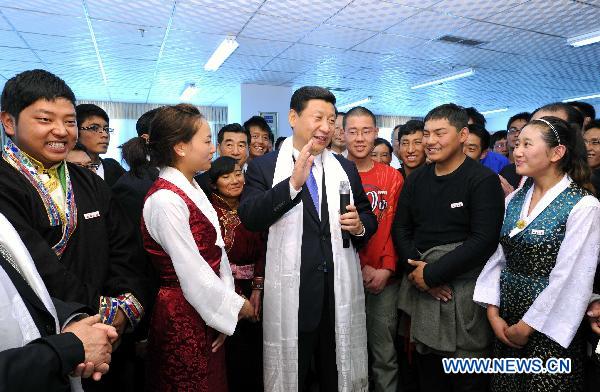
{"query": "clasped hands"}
[(350, 221), (97, 339), (441, 293), (515, 336)]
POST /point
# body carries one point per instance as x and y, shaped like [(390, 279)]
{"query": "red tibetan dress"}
[(179, 346)]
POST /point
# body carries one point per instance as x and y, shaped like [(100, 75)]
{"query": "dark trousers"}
[(320, 345), (433, 379)]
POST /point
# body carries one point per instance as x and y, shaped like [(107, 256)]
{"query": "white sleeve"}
[(558, 310), (166, 217), (487, 288)]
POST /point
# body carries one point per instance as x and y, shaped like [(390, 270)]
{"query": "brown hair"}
[(574, 162), (172, 125)]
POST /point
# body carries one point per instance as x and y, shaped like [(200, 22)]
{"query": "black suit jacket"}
[(112, 171), (262, 205), (43, 364), (203, 181)]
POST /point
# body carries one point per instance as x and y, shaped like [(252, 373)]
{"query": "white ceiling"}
[(371, 47)]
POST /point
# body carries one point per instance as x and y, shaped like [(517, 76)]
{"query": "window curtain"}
[(124, 115)]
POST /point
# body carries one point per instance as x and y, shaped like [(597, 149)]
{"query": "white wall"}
[(258, 98)]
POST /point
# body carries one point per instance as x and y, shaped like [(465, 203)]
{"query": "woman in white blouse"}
[(196, 306), (537, 284)]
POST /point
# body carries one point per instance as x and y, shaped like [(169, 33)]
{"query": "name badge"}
[(456, 205), (92, 215), (537, 232)]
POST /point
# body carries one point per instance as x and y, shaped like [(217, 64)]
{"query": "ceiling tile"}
[(281, 29), (389, 44), (315, 10), (61, 7), (337, 36), (191, 17), (428, 25), (372, 15), (137, 12), (475, 9), (38, 22)]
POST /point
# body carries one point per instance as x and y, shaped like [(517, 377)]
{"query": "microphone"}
[(344, 202)]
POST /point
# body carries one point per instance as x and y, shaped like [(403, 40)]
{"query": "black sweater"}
[(466, 206)]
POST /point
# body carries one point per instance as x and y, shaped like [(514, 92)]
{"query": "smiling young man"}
[(82, 246), (260, 136), (94, 135), (338, 142), (411, 149), (382, 185), (313, 294), (446, 227)]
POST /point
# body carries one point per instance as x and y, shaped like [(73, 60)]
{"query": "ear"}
[(463, 135), (9, 123), (376, 132), (180, 149), (292, 118), (558, 153)]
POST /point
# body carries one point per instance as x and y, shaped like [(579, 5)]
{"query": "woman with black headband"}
[(537, 284)]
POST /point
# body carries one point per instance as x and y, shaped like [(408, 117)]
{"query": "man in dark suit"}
[(82, 348), (94, 134), (312, 117)]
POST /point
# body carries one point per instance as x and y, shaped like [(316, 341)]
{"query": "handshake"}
[(97, 340)]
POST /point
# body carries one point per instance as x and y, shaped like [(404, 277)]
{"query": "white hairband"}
[(551, 127)]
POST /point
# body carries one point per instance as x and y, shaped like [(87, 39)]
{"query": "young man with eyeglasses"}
[(509, 172), (94, 134), (382, 184), (83, 247)]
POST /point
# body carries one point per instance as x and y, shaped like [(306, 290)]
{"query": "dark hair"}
[(23, 89), (87, 110), (220, 167), (304, 94), (381, 140), (172, 125), (585, 108), (498, 135), (456, 115), (411, 126), (519, 116), (574, 117), (339, 113), (477, 117), (482, 134), (257, 121), (233, 128), (593, 124), (280, 140), (574, 162), (142, 126), (358, 111)]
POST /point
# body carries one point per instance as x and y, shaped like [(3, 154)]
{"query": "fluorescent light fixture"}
[(592, 96), (225, 49), (495, 111), (463, 73), (353, 104), (584, 39), (188, 92)]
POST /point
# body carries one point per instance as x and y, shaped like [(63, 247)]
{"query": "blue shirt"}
[(495, 161)]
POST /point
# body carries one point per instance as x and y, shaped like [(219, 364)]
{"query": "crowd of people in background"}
[(239, 266)]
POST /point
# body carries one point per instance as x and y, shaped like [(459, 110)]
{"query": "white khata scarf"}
[(17, 327), (282, 283)]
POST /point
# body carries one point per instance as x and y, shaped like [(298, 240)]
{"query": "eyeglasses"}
[(513, 130), (364, 132), (593, 142), (97, 128)]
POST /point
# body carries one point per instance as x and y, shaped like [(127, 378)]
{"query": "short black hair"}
[(498, 135), (381, 140), (221, 166), (411, 126), (23, 89), (142, 126), (359, 111), (585, 108), (477, 117), (519, 116), (574, 117), (80, 147), (482, 134), (87, 110), (233, 128), (456, 115), (257, 121), (280, 140), (339, 113), (304, 94), (593, 124)]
